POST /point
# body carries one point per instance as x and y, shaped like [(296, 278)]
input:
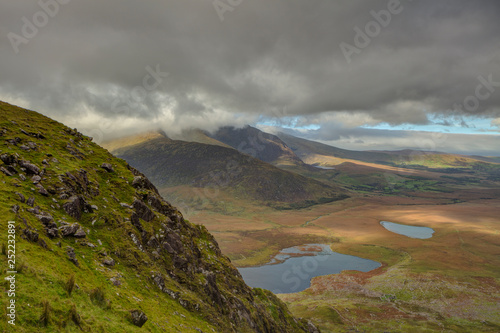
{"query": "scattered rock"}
[(31, 235), (72, 256), (42, 190), (45, 162), (45, 218), (139, 318), (94, 207), (143, 211), (36, 179), (8, 159), (31, 201), (108, 262), (108, 167), (15, 208), (125, 205), (69, 229), (11, 169), (116, 282), (134, 219), (42, 243), (30, 167), (35, 210), (74, 206), (21, 197), (6, 172), (140, 182), (80, 233), (52, 233), (23, 177)]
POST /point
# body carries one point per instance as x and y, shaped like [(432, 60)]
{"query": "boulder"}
[(80, 233), (108, 167), (30, 167), (8, 159), (6, 172), (108, 262), (74, 206), (70, 229), (31, 201), (31, 235), (72, 256), (21, 197), (42, 190), (143, 211), (140, 182), (139, 318)]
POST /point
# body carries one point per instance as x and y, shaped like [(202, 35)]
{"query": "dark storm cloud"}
[(93, 57)]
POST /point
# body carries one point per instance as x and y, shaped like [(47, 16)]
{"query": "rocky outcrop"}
[(139, 318)]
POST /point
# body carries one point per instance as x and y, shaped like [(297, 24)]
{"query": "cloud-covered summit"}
[(234, 61)]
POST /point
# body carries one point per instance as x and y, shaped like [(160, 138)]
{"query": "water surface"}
[(292, 269), (408, 230)]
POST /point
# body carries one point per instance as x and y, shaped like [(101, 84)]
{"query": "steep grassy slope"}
[(170, 163), (97, 249)]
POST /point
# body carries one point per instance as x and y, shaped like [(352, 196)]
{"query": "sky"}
[(363, 75)]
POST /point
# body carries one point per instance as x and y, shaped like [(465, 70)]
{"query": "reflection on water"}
[(292, 269), (408, 230)]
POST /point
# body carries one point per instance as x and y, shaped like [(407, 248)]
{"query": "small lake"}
[(292, 269), (408, 230)]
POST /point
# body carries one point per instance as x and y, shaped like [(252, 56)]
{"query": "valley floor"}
[(448, 283)]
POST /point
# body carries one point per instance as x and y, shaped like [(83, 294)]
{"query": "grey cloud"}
[(264, 56)]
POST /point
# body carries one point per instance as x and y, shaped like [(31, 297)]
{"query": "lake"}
[(292, 269), (408, 230)]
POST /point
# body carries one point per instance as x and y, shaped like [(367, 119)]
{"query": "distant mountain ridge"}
[(254, 142), (170, 163)]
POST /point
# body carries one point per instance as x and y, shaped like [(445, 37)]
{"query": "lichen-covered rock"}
[(74, 206), (42, 190), (69, 230), (139, 318), (70, 252), (108, 167), (30, 167), (80, 233), (108, 262), (143, 211)]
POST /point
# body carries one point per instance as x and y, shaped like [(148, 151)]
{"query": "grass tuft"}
[(70, 284), (98, 297), (20, 266), (75, 316), (46, 313)]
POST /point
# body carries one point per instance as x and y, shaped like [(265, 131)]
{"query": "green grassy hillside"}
[(98, 250)]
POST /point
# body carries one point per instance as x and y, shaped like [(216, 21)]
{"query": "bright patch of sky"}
[(457, 125)]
